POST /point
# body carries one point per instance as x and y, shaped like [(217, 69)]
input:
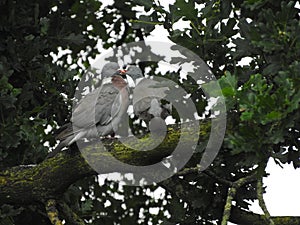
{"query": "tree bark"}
[(29, 184), (52, 177)]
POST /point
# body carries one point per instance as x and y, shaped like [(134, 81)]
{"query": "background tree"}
[(36, 93)]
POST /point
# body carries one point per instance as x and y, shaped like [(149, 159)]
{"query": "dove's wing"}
[(144, 93), (95, 108)]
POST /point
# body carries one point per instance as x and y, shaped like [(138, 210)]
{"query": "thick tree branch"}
[(52, 177), (45, 181)]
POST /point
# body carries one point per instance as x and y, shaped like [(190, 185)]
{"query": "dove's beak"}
[(123, 72)]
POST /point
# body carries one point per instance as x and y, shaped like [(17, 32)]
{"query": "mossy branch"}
[(52, 212), (228, 205), (70, 216), (261, 201), (52, 177), (146, 22), (231, 194)]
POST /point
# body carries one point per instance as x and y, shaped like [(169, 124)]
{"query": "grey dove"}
[(95, 114), (147, 97)]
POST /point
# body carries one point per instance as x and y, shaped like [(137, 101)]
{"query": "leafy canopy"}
[(262, 97)]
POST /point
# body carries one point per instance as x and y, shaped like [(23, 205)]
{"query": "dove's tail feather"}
[(64, 134), (56, 150)]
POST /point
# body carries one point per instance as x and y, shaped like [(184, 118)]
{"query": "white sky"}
[(282, 193)]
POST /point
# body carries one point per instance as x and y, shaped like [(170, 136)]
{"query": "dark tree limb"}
[(52, 212), (71, 217), (231, 194), (47, 180), (52, 177), (262, 203), (227, 209)]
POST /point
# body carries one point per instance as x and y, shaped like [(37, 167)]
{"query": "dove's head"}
[(110, 69), (134, 72)]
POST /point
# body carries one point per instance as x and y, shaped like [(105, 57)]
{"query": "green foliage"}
[(262, 98)]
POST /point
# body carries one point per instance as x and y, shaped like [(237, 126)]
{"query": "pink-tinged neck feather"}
[(118, 82)]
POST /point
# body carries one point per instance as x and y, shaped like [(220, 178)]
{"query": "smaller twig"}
[(146, 22), (207, 173), (71, 216), (187, 171), (262, 203), (220, 179), (125, 33), (245, 180), (52, 212), (228, 205), (195, 28)]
